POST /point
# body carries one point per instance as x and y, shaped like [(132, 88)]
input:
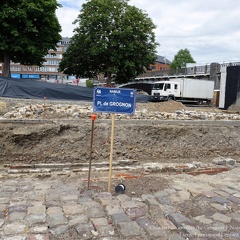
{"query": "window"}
[(168, 86), (158, 86), (52, 69), (175, 86), (15, 68)]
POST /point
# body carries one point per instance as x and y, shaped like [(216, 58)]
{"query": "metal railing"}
[(196, 70)]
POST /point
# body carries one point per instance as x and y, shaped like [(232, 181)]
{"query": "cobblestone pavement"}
[(191, 207)]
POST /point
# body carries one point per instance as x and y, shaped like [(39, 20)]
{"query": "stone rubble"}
[(64, 111)]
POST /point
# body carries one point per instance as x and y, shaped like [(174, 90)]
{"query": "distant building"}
[(161, 64), (49, 70)]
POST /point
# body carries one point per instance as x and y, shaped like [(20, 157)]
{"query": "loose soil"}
[(68, 141)]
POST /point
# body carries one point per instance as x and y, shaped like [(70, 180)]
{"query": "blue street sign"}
[(114, 100)]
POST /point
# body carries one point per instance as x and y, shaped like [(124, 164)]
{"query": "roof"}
[(162, 59)]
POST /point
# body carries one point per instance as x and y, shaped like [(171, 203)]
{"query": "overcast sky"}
[(209, 29)]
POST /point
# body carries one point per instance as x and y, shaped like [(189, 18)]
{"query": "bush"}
[(89, 83)]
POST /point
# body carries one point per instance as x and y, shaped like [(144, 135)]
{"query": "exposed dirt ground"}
[(61, 141), (69, 141)]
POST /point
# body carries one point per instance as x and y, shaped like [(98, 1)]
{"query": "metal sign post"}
[(114, 100), (93, 117)]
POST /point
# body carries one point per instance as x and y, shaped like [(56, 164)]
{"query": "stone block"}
[(7, 188), (234, 200), (108, 202), (128, 204), (73, 209), (39, 229), (59, 230), (95, 212), (222, 193), (85, 230), (156, 212), (56, 220), (143, 221), (37, 210), (219, 207), (155, 232), (120, 217), (220, 200), (134, 213), (16, 216), (237, 195), (77, 220), (236, 217), (164, 200), (69, 198), (152, 202), (129, 229), (178, 219), (209, 194), (221, 218), (114, 209), (38, 236), (165, 224), (33, 219), (105, 230), (99, 221), (54, 210), (203, 219), (190, 231), (14, 228)]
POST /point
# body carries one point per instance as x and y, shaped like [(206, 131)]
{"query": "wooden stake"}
[(111, 154)]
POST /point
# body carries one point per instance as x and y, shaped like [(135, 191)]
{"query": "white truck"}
[(184, 90)]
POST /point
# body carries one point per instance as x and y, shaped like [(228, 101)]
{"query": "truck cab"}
[(165, 91)]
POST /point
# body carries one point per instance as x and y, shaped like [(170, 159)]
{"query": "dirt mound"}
[(170, 106)]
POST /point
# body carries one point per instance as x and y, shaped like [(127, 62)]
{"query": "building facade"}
[(161, 64), (49, 70)]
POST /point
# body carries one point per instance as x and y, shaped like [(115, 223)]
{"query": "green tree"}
[(29, 28), (113, 38), (181, 59)]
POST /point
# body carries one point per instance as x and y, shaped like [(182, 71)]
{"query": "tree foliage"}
[(29, 28), (113, 38), (181, 59)]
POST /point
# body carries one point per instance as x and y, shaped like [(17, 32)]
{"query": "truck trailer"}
[(183, 90)]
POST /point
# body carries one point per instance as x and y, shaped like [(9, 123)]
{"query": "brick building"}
[(161, 64), (48, 71)]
